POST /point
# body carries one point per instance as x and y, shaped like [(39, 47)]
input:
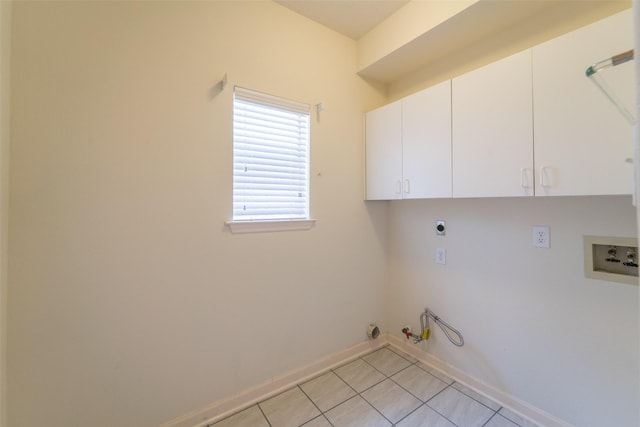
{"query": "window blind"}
[(270, 157)]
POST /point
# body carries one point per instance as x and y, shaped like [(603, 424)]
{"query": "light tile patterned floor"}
[(383, 388)]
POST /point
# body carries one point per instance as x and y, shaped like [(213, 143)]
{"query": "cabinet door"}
[(426, 143), (582, 143), (383, 135), (493, 130)]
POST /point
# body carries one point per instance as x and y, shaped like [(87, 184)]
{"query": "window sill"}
[(240, 227)]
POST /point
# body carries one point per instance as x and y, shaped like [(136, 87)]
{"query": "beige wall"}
[(534, 327), (130, 304), (408, 23), (5, 89)]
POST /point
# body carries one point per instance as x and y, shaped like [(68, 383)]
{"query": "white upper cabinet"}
[(530, 124), (493, 130), (408, 147), (383, 133), (426, 143), (583, 145)]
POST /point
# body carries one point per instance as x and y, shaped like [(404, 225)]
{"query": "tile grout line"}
[(490, 418), (264, 415), (416, 363), (359, 394), (378, 411), (389, 378), (386, 377), (495, 411), (370, 364), (422, 403), (406, 416), (412, 362), (317, 407), (435, 410), (371, 386), (428, 373), (471, 397), (452, 387)]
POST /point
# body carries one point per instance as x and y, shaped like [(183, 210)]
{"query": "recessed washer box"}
[(614, 259)]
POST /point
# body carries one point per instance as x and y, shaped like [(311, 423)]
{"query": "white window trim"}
[(241, 227)]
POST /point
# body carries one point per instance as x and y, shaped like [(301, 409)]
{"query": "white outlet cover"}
[(541, 237), (441, 256)]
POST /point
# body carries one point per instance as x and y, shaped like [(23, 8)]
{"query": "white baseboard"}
[(223, 408), (525, 410)]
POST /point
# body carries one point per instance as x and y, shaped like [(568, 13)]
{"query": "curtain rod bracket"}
[(223, 82), (319, 109)]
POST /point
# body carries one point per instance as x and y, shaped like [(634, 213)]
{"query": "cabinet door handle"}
[(398, 186), (544, 179), (407, 187), (524, 181)]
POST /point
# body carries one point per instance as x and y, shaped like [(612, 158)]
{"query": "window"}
[(270, 158)]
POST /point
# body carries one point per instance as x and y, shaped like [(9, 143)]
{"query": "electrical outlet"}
[(441, 256), (541, 238)]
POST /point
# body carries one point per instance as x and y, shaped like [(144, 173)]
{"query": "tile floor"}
[(383, 388)]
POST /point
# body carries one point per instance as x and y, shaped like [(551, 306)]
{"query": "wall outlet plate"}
[(441, 256), (541, 238)]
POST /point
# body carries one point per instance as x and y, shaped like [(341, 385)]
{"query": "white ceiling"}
[(353, 18)]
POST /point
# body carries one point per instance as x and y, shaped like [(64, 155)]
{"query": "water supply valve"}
[(407, 332), (632, 257)]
